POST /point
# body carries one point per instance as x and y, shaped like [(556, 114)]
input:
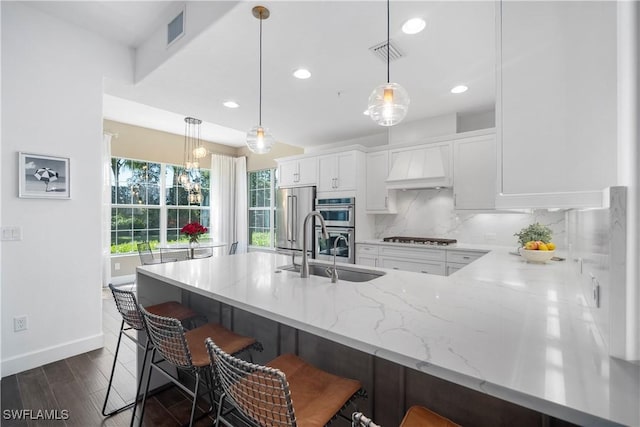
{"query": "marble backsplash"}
[(430, 213)]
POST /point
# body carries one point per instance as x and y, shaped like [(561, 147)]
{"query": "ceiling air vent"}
[(380, 50), (175, 28)]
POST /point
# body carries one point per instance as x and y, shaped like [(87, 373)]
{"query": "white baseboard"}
[(26, 361), (123, 280)]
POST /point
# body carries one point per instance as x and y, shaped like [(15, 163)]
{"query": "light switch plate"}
[(11, 233)]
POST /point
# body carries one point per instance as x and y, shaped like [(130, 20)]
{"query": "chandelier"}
[(190, 177)]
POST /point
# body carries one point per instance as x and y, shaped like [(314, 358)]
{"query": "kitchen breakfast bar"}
[(500, 342)]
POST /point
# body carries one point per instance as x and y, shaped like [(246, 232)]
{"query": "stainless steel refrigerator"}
[(292, 206)]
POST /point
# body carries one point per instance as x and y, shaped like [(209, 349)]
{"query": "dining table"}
[(191, 247)]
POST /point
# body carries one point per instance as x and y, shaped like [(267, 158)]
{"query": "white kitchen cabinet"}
[(337, 172), (429, 267), (297, 172), (418, 260), (378, 198), (367, 255), (557, 103), (452, 267), (475, 173), (440, 261)]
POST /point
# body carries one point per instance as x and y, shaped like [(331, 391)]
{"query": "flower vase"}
[(193, 244)]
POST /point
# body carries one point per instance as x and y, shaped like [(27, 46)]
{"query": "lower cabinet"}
[(432, 267), (367, 255), (442, 262)]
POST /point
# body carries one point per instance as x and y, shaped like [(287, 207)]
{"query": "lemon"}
[(551, 246), (543, 247)]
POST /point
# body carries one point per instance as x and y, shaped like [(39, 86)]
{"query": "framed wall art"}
[(43, 176)]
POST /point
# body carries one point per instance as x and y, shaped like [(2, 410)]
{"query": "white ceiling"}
[(330, 38)]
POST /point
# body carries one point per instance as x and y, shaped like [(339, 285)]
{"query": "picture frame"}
[(42, 176)]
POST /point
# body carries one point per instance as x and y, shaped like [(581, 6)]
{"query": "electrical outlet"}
[(19, 323), (116, 266)]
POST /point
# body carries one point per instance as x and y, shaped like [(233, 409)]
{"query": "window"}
[(148, 204), (262, 210)]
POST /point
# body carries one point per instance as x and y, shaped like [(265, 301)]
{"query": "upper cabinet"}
[(298, 172), (379, 199), (337, 172), (474, 172), (556, 103)]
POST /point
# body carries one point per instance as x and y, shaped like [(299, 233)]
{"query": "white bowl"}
[(535, 255)]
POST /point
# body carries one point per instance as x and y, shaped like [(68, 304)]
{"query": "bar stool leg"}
[(113, 369), (195, 399), (146, 389)]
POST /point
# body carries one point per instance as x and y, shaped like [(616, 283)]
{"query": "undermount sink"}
[(347, 273)]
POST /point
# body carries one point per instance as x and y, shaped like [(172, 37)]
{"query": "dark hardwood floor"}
[(74, 388)]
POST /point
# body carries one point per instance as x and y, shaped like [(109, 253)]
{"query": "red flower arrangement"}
[(193, 230)]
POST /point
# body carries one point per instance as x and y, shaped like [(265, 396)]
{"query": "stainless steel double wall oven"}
[(339, 217)]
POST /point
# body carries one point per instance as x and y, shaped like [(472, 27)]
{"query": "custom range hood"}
[(424, 167)]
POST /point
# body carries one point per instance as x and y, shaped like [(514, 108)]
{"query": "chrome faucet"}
[(334, 270), (304, 267)]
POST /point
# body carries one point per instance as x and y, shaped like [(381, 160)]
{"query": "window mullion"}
[(163, 205)]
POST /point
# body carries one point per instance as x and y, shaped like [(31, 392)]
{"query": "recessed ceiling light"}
[(459, 89), (231, 104), (413, 26), (302, 73)]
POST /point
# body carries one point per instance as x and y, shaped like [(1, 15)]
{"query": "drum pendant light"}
[(259, 139), (389, 102)]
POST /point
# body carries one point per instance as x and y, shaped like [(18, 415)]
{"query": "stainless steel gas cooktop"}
[(433, 241)]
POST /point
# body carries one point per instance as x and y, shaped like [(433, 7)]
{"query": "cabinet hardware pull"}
[(423, 271), (385, 201), (466, 257), (396, 268)]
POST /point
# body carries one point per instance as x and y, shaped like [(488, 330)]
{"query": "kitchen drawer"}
[(421, 254), (414, 266), (452, 267), (369, 250), (463, 257)]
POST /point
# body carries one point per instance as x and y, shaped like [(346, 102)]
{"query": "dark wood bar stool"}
[(416, 416), (266, 395), (132, 322), (186, 351)]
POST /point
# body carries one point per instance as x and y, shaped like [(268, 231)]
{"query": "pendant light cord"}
[(388, 40), (260, 85)]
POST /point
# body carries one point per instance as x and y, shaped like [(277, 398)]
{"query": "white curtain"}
[(106, 209), (229, 200)]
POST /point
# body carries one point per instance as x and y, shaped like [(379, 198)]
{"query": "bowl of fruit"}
[(535, 243), (537, 251)]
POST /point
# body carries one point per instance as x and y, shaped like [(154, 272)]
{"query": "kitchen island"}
[(500, 342)]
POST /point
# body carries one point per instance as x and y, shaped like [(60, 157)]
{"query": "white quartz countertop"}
[(517, 331)]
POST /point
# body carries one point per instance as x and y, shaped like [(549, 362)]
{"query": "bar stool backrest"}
[(260, 393), (145, 253), (127, 307), (167, 336), (233, 248)]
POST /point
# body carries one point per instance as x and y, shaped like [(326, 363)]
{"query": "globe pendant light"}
[(389, 102), (259, 139)]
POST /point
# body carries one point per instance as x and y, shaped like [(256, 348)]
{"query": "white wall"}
[(52, 77)]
